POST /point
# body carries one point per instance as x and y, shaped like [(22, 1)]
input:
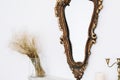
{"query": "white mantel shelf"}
[(47, 78)]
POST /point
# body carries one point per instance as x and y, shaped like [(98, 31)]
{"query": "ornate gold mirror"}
[(77, 67)]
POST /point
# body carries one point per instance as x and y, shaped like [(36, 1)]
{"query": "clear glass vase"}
[(35, 68)]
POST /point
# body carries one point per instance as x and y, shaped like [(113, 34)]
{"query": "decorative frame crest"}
[(77, 68)]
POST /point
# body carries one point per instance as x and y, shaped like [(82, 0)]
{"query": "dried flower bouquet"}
[(26, 44)]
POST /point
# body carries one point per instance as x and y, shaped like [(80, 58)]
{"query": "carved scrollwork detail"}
[(77, 68)]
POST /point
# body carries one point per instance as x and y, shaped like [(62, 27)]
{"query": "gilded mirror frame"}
[(77, 68)]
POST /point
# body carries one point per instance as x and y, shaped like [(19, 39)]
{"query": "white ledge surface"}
[(48, 77)]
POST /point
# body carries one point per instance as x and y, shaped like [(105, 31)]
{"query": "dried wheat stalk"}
[(26, 44)]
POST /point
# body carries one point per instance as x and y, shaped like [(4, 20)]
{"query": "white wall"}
[(38, 17)]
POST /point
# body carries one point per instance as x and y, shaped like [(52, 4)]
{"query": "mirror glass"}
[(78, 16)]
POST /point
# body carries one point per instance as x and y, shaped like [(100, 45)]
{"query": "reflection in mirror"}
[(78, 16)]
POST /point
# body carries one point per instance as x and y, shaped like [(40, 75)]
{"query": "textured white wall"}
[(38, 17)]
